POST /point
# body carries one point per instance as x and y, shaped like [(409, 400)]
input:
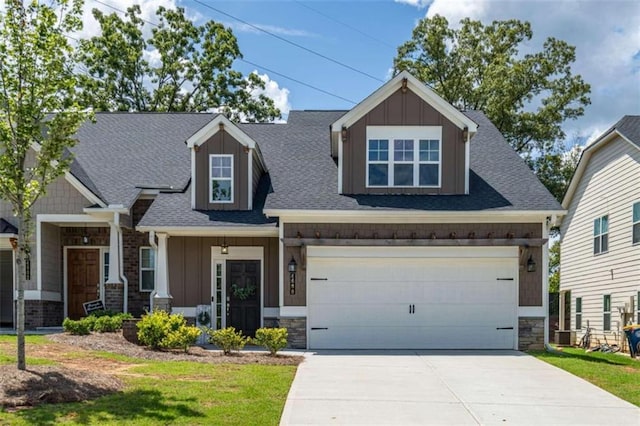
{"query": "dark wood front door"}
[(83, 279), (243, 295)]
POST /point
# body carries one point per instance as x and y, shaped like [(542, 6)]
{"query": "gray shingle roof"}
[(629, 126), (305, 177), (174, 210), (122, 152)]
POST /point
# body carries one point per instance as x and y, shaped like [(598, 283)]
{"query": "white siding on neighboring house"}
[(609, 186)]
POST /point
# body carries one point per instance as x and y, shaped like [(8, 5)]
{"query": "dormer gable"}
[(226, 165), (403, 139)]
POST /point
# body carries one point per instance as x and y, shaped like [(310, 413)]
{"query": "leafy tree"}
[(39, 114), (555, 169), (477, 66), (179, 67)]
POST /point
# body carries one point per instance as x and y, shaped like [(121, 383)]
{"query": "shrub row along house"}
[(402, 223), (600, 261)]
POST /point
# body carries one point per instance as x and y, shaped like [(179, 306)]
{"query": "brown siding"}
[(530, 283), (190, 268), (404, 110), (222, 143)]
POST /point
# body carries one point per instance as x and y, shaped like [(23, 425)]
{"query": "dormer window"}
[(221, 178), (403, 156)]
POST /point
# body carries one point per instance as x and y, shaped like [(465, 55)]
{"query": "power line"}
[(351, 27), (299, 46), (298, 81)]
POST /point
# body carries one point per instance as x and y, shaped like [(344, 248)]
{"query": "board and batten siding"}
[(190, 268), (609, 186), (222, 143), (404, 109)]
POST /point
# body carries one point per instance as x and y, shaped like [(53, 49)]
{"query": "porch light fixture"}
[(531, 264), (293, 266), (344, 134), (224, 248), (85, 237)]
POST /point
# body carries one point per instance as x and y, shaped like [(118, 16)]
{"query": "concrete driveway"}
[(445, 387)]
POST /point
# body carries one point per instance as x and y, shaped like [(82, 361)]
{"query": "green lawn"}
[(175, 393), (617, 374)]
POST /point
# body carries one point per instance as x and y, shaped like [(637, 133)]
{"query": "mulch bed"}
[(115, 343), (52, 384)]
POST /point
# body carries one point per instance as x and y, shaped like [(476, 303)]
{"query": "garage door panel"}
[(412, 303)]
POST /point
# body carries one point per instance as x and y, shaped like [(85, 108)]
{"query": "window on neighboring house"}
[(147, 269), (606, 310), (578, 313), (221, 175), (410, 163), (636, 223), (601, 235)]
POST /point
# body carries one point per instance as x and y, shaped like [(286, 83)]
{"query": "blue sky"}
[(364, 35)]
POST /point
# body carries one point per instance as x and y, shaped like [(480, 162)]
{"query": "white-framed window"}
[(404, 156), (635, 229), (147, 269), (221, 178), (601, 235), (606, 312), (578, 313)]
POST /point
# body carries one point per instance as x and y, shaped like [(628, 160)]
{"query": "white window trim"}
[(638, 307), (634, 223), (141, 269), (604, 313), (231, 179), (601, 234), (415, 133)]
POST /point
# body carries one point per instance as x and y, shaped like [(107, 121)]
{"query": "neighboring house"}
[(600, 245), (402, 223)]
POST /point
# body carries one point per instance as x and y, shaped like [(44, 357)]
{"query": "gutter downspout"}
[(125, 302), (154, 246)]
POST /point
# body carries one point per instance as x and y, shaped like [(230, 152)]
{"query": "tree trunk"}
[(22, 244)]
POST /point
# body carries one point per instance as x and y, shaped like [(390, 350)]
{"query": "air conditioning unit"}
[(565, 338)]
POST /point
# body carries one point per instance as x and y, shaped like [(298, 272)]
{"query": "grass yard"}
[(617, 374), (164, 392)]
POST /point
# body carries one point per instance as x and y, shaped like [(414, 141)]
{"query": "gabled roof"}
[(628, 128), (7, 228), (214, 126), (416, 86), (121, 153)]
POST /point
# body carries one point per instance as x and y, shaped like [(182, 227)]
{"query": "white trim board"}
[(213, 127)]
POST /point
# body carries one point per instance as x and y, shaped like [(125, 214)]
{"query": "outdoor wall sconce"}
[(531, 264), (14, 243), (224, 248), (85, 237), (293, 266), (345, 134)]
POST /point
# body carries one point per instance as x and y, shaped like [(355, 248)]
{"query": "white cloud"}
[(272, 89), (606, 37), (417, 3)]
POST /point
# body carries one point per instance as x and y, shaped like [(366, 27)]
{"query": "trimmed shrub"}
[(273, 339), (79, 328), (228, 339), (160, 330), (107, 324)]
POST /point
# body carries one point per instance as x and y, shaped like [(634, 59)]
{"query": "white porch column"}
[(114, 255), (162, 298)]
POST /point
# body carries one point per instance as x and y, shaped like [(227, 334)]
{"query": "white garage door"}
[(412, 298)]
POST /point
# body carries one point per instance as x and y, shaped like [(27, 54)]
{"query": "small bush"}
[(107, 324), (160, 330), (79, 328), (228, 339), (273, 339)]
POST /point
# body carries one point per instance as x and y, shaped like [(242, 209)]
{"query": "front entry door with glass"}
[(243, 295)]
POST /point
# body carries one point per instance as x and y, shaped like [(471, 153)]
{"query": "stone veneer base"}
[(530, 333)]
